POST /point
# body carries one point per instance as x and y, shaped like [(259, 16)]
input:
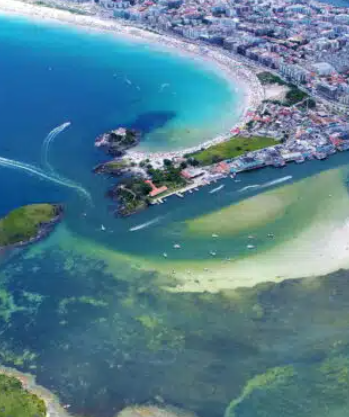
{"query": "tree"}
[(167, 162)]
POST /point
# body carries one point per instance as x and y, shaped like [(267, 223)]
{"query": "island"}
[(28, 224), (117, 141), (16, 401), (146, 186)]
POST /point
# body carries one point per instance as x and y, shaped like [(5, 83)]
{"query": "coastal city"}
[(174, 224), (290, 56)]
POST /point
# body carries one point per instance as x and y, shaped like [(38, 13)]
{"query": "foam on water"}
[(10, 163), (144, 225), (47, 143)]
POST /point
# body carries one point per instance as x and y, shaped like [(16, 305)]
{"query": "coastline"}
[(232, 70), (54, 409)]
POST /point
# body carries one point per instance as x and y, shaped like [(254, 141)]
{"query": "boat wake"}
[(215, 190), (276, 182), (266, 185), (144, 225), (163, 86), (47, 143), (248, 187), (31, 169)]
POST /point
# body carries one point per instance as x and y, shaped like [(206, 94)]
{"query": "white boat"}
[(165, 255), (214, 235), (103, 228), (250, 246), (213, 253), (177, 246)]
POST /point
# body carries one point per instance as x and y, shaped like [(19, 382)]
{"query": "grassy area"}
[(293, 96), (15, 401), (266, 77), (231, 149), (24, 223)]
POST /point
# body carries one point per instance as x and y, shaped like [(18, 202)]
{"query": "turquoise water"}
[(338, 3), (91, 322)]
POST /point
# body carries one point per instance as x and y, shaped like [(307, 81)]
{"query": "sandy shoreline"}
[(232, 70)]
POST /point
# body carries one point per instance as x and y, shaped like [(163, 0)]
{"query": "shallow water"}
[(85, 310)]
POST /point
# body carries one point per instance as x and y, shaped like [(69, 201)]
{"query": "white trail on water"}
[(248, 187), (215, 190), (31, 169), (47, 143), (144, 225), (278, 181)]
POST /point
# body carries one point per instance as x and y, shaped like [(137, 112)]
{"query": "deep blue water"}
[(105, 336)]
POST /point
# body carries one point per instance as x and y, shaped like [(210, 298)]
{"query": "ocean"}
[(93, 311)]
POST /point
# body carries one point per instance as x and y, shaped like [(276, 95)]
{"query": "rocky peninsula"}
[(117, 141), (28, 224)]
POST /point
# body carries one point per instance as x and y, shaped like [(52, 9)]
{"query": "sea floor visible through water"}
[(91, 311)]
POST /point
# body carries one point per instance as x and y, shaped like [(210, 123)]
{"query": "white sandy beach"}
[(232, 70)]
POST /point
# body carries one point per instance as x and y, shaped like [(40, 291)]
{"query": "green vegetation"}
[(231, 149), (26, 222), (170, 176), (266, 77), (118, 141), (293, 96), (319, 389), (113, 167), (132, 194), (15, 401)]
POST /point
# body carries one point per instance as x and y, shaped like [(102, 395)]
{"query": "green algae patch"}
[(15, 401), (315, 390), (27, 223)]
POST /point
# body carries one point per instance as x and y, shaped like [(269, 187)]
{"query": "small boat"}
[(214, 235), (250, 246), (177, 246), (103, 228), (165, 255), (251, 237), (271, 235), (213, 253)]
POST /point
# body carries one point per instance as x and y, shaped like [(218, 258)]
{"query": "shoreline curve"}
[(232, 70)]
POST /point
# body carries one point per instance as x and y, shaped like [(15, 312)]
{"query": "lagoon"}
[(92, 312)]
